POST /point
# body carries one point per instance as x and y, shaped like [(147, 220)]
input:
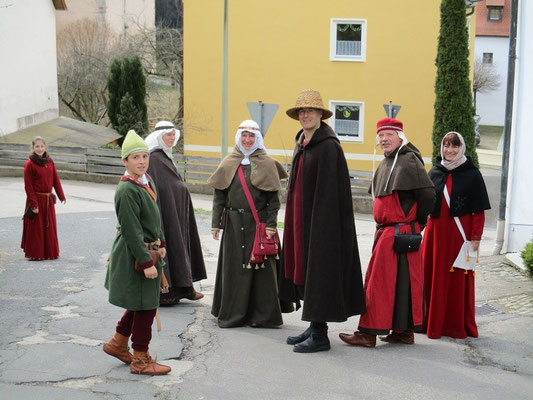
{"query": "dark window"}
[(487, 58), (347, 120), (494, 14), (348, 39)]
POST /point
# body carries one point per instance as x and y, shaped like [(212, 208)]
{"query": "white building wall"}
[(519, 227), (130, 15), (28, 67), (490, 106)]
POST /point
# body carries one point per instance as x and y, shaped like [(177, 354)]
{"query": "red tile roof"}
[(484, 27)]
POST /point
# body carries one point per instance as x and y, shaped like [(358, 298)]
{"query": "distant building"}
[(492, 47), (359, 54), (123, 17), (28, 70)]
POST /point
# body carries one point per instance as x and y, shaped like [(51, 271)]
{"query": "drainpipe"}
[(224, 130), (500, 227)]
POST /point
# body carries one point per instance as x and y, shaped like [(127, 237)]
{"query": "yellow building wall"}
[(278, 48)]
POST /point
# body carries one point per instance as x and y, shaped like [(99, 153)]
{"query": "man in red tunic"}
[(403, 198), (321, 259)]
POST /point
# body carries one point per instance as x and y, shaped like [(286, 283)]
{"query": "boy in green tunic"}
[(139, 226)]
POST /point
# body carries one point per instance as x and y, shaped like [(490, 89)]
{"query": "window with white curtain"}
[(347, 119), (348, 40)]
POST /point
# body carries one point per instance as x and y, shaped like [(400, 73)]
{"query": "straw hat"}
[(309, 99)]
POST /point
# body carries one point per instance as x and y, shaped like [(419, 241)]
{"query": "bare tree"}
[(161, 52), (85, 50), (486, 78)]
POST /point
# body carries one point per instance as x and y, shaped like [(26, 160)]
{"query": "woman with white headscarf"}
[(244, 294), (184, 260), (448, 289)]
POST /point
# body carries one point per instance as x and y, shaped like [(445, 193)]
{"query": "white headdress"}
[(155, 139), (252, 127)]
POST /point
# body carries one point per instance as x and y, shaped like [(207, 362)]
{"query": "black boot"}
[(317, 341), (292, 340)]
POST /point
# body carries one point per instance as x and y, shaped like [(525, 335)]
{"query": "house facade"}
[(359, 54), (492, 47), (28, 68)]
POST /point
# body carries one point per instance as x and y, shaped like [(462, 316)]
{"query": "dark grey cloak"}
[(184, 260)]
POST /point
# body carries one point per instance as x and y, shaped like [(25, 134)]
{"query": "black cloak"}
[(469, 194), (333, 289)]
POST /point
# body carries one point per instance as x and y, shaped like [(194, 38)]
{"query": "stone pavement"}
[(51, 331)]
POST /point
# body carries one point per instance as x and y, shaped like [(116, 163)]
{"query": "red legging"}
[(138, 324)]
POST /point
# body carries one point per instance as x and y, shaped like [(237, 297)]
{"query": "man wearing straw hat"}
[(403, 198), (321, 263)]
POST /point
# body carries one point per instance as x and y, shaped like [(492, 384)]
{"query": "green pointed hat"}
[(133, 143)]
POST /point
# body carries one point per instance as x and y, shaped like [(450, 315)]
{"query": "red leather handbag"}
[(263, 246)]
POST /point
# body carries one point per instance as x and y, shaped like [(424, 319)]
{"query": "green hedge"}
[(527, 256)]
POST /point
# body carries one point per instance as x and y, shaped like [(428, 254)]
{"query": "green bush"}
[(126, 106), (527, 256)]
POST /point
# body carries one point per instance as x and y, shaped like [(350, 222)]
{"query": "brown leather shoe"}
[(143, 364), (118, 347), (195, 296), (406, 337), (359, 339)]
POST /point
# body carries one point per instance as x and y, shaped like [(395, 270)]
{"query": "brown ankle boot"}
[(118, 347), (143, 364), (406, 337), (195, 296)]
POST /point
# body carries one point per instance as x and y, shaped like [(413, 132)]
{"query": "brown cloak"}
[(265, 174), (184, 261), (333, 285), (408, 174)]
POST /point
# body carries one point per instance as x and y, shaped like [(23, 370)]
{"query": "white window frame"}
[(332, 121), (333, 40)]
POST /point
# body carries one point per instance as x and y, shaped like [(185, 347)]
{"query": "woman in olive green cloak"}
[(244, 293)]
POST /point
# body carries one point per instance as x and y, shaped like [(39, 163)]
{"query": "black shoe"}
[(292, 340), (315, 342)]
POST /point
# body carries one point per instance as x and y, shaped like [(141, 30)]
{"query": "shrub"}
[(527, 256), (127, 92)]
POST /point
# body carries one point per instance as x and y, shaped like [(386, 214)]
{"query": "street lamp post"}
[(224, 127)]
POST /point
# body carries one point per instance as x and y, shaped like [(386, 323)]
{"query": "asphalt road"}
[(55, 316)]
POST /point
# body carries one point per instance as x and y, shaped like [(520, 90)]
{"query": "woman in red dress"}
[(39, 234), (449, 291)]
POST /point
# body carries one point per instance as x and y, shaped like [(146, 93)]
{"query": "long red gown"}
[(449, 295), (39, 235)]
